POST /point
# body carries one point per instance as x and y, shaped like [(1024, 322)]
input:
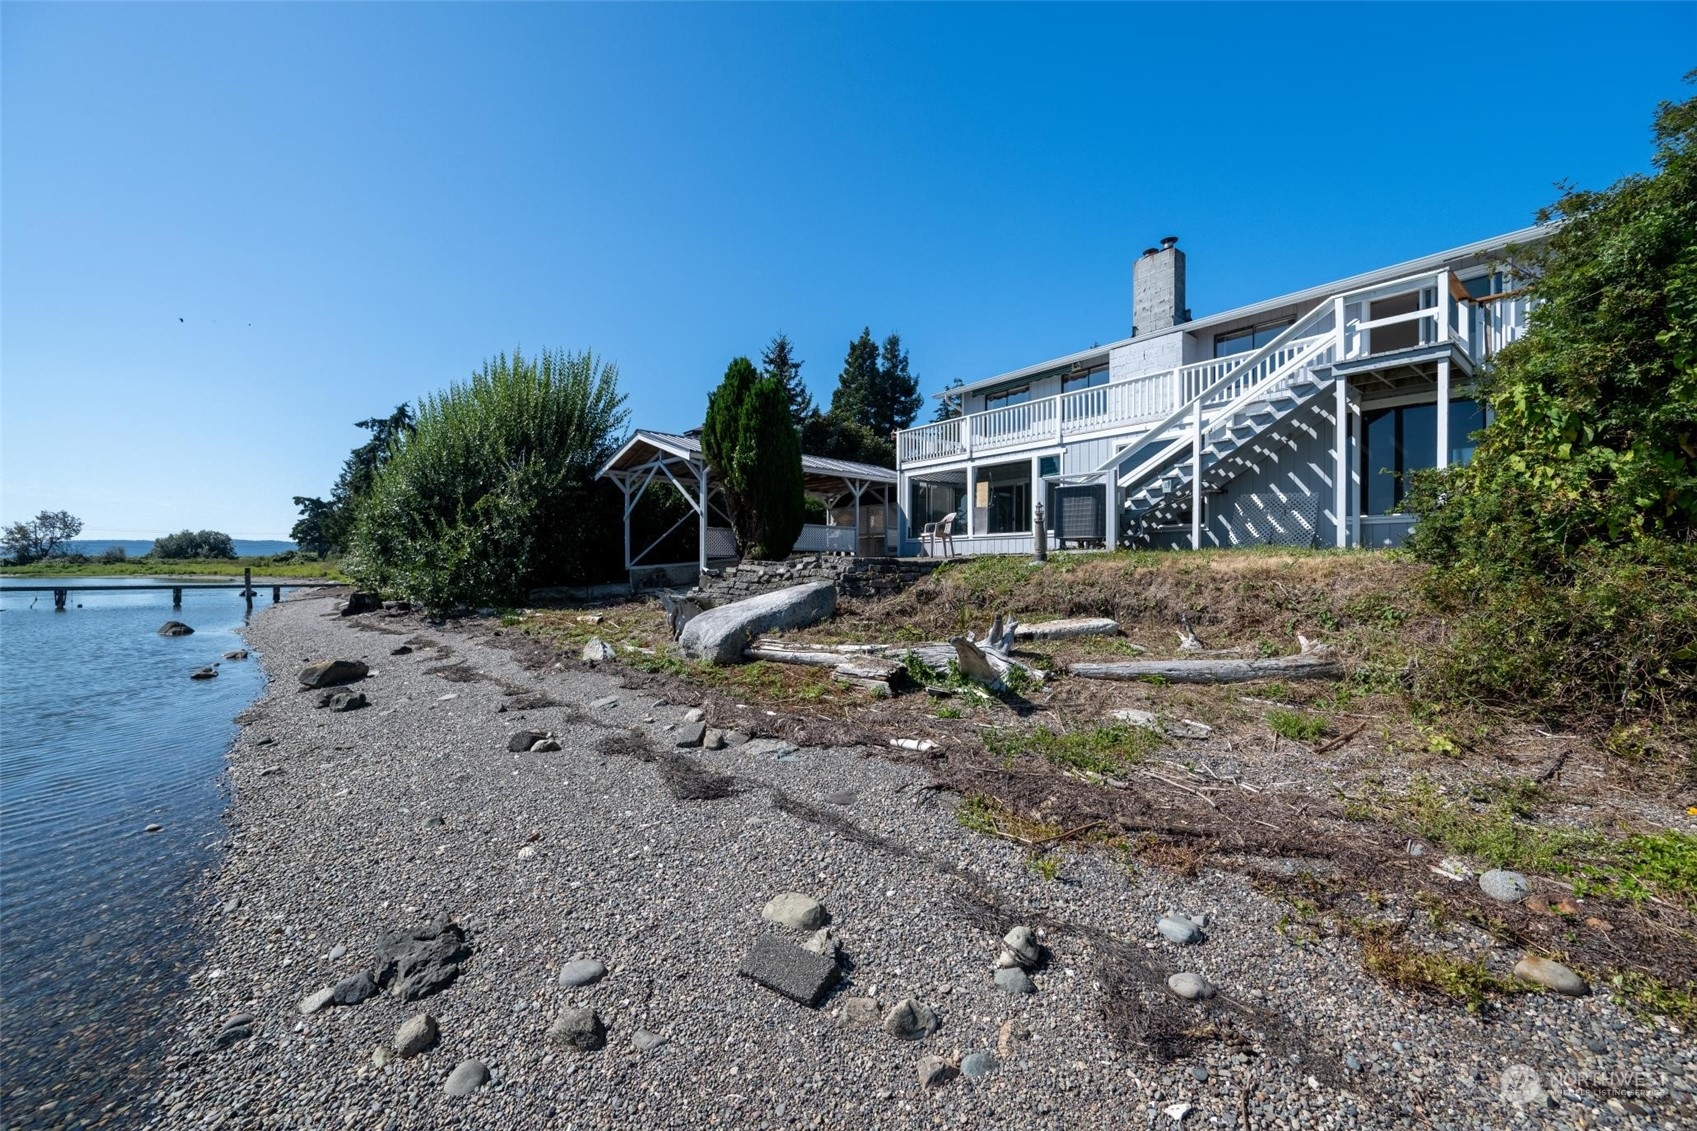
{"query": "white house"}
[(1298, 416)]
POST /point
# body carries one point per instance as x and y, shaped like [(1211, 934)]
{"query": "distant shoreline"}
[(265, 568)]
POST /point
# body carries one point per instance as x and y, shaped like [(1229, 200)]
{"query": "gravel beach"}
[(656, 861)]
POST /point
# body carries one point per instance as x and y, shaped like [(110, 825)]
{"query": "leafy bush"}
[(1565, 549), (40, 537), (113, 554), (187, 544), (493, 491)]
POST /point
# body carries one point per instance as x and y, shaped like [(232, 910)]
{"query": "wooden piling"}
[(59, 599), (276, 594), (176, 598), (247, 586)]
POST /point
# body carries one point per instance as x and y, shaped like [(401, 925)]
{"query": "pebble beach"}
[(646, 869)]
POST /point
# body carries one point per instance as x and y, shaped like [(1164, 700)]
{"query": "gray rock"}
[(859, 1013), (1177, 929), (787, 969), (581, 972), (694, 715), (361, 603), (466, 1078), (175, 628), (232, 905), (545, 746), (1022, 946), (236, 1027), (355, 988), (336, 952), (713, 739), (348, 701), (416, 1034), (910, 1020), (418, 962), (976, 1064), (719, 635), (793, 909), (1192, 987), (843, 797), (1551, 975), (238, 654), (606, 702), (1014, 980), (597, 651), (822, 943), (383, 1056), (735, 738), (644, 1041), (318, 1000), (1200, 1073), (155, 827), (579, 1029), (522, 740), (690, 734), (934, 1072), (204, 673), (401, 650), (1509, 887), (328, 673)]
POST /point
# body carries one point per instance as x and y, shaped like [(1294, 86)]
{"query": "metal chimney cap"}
[(1148, 251), (1168, 242)]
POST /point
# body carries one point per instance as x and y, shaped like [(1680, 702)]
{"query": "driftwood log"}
[(1314, 662), (854, 665)]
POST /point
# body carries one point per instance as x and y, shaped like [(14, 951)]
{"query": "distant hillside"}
[(135, 548)]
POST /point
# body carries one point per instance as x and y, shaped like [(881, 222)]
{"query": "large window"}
[(932, 502), (1401, 440), (1004, 498), (1094, 379), (1249, 340)]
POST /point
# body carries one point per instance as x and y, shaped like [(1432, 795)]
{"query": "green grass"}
[(1298, 726), (264, 566), (984, 814), (1102, 750), (1467, 982), (1650, 995)]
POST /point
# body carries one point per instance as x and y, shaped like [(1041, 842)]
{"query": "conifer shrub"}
[(750, 441)]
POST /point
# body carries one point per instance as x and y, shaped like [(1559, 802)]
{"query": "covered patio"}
[(859, 500)]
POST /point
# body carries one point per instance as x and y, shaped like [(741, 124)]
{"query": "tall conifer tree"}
[(779, 361)]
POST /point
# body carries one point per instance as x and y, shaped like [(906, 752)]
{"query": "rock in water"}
[(1191, 987), (793, 909), (416, 963), (415, 1035), (910, 1020), (204, 673), (466, 1078), (328, 673), (719, 635), (578, 1029), (175, 628), (1551, 975), (238, 654), (1506, 886), (581, 972)]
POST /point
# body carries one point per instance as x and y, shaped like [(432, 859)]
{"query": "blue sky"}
[(229, 231)]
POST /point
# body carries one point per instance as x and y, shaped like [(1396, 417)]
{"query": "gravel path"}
[(350, 826)]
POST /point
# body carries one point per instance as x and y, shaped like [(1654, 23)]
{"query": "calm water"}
[(101, 734)]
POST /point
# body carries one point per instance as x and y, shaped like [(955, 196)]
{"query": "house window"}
[(933, 502), (1248, 340), (1095, 379), (1007, 398), (1004, 498), (1399, 441), (1048, 466)]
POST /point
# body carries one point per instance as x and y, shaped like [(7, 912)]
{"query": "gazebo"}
[(859, 499)]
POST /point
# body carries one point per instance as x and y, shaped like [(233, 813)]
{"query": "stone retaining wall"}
[(854, 577)]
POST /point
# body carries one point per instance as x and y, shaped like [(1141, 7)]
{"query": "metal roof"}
[(643, 444), (1296, 298)]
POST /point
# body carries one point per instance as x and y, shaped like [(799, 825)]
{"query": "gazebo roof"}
[(819, 473)]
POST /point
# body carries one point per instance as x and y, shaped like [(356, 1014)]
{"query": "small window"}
[(1094, 379), (1007, 397), (1048, 466), (1483, 286), (1248, 340)]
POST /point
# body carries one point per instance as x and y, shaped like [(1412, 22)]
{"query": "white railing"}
[(931, 441), (1014, 424), (817, 538), (1497, 322)]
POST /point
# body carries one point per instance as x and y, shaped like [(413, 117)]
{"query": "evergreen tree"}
[(779, 361), (856, 386), (949, 404), (752, 445), (896, 398)]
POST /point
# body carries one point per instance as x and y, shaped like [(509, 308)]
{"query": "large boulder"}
[(719, 635), (175, 628), (328, 673)]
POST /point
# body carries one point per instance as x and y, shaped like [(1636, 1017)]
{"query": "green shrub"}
[(193, 544), (751, 442), (1298, 726), (493, 493)]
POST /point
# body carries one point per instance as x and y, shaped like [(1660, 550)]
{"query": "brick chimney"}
[(1157, 289)]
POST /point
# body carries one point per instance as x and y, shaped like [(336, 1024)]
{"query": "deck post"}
[(1196, 476), (176, 598), (1443, 455), (701, 480), (1111, 512), (1340, 472)]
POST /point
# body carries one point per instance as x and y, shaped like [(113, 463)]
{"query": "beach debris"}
[(1314, 662), (918, 745), (789, 970), (719, 635), (328, 673), (1067, 629)]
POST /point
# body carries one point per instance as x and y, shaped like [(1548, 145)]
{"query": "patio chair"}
[(943, 531)]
